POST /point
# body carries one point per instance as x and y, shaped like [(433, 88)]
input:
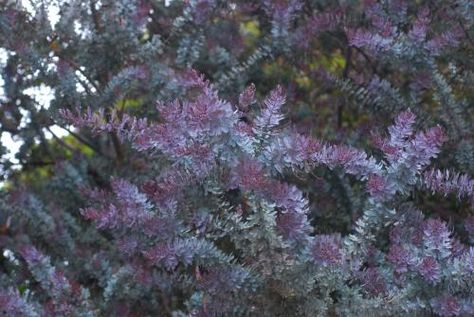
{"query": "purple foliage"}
[(401, 258), (436, 237), (373, 282), (375, 43), (247, 98), (420, 26), (219, 161), (429, 269), (446, 306), (195, 129), (12, 304), (449, 182), (326, 250)]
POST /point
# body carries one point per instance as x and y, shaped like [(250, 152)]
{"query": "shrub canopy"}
[(237, 158)]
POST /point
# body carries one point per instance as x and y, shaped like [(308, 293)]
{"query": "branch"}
[(83, 140), (345, 73), (60, 141)]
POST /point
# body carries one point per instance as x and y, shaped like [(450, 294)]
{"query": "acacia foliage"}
[(246, 158)]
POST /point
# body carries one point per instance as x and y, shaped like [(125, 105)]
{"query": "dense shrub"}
[(246, 158)]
